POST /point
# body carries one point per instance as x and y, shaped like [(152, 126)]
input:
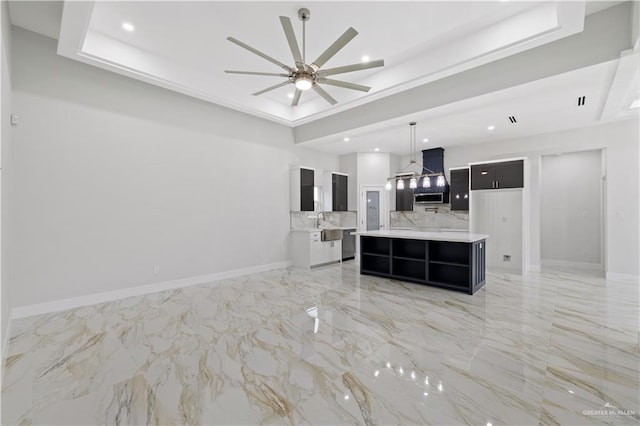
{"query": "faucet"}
[(318, 219)]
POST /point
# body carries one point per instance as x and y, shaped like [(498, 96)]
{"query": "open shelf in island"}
[(456, 264)]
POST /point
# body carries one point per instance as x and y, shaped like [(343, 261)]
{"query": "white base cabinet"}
[(308, 250)]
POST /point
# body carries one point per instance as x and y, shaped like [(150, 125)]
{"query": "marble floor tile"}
[(334, 347)]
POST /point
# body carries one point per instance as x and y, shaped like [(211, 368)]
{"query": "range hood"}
[(433, 162)]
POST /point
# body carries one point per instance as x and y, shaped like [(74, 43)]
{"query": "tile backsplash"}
[(430, 218), (423, 218), (306, 220)]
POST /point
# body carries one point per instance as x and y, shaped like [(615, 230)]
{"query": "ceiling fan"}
[(309, 76)]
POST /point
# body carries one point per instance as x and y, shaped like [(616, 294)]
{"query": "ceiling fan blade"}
[(334, 48), (351, 68), (293, 43), (259, 53), (268, 89), (296, 97), (320, 91), (272, 74), (344, 84)]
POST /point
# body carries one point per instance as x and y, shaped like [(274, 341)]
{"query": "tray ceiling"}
[(182, 46)]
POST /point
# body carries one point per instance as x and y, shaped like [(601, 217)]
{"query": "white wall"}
[(114, 176), (5, 177), (622, 218), (373, 168), (570, 207)]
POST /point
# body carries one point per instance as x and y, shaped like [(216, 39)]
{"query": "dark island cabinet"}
[(500, 175), (452, 265), (339, 195), (460, 189), (404, 197)]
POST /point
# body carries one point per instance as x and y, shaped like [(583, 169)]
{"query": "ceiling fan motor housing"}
[(304, 14)]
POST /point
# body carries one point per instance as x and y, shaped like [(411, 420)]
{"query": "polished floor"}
[(333, 347)]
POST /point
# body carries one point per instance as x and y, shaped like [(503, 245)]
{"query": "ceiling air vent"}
[(581, 100), (512, 119)]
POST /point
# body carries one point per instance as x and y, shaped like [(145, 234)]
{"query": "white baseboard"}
[(630, 278), (92, 299), (583, 266)]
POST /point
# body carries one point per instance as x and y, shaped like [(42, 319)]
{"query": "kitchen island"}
[(452, 260)]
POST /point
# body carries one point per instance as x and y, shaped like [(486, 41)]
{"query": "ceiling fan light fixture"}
[(303, 81)]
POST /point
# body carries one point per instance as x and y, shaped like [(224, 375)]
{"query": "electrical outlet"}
[(506, 258), (156, 269)]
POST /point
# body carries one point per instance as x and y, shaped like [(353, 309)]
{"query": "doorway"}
[(571, 212)]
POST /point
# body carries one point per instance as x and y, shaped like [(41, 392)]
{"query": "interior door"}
[(372, 213), (373, 210)]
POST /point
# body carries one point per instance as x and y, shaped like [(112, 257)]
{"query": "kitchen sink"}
[(331, 234)]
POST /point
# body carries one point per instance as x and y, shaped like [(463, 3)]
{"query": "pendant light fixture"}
[(414, 170)]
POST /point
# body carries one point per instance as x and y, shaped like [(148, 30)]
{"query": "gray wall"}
[(114, 176)]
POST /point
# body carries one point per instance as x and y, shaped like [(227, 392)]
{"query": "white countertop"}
[(453, 236), (320, 229)]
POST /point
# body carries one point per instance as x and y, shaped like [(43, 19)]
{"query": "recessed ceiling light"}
[(491, 127), (635, 104), (376, 149), (346, 139), (128, 26), (365, 58), (290, 95), (425, 140)]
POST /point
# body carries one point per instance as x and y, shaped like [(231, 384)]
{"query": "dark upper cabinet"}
[(483, 176), (460, 189), (339, 195), (404, 198), (306, 190), (502, 175), (510, 174)]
